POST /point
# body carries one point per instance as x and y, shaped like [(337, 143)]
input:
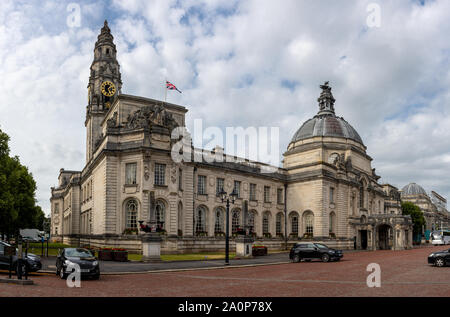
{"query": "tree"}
[(18, 209), (408, 208)]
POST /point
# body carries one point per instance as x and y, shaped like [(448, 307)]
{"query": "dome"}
[(413, 189), (326, 123)]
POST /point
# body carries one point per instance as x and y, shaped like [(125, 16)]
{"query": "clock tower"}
[(104, 85)]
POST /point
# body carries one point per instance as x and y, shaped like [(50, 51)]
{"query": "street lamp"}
[(225, 197)]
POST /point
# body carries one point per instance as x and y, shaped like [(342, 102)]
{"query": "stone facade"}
[(326, 191), (434, 208)]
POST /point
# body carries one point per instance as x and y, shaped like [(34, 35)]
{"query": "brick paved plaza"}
[(403, 273)]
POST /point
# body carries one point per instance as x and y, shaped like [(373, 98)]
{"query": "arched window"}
[(294, 225), (251, 221), (131, 209), (279, 223), (200, 220), (308, 220), (235, 221), (332, 223), (218, 224), (160, 210), (266, 223)]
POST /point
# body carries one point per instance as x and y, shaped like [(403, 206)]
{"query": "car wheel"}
[(325, 258), (439, 262), (296, 258), (96, 277)]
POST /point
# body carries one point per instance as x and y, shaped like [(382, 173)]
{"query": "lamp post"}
[(225, 197)]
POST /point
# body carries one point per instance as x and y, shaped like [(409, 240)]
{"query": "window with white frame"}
[(237, 188), (130, 174), (200, 220), (201, 185), (294, 224), (218, 224), (278, 224), (219, 186), (131, 209), (160, 210), (309, 222), (235, 221), (266, 223), (252, 191), (160, 174), (266, 194), (251, 221)]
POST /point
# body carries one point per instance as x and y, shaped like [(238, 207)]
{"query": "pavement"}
[(403, 273)]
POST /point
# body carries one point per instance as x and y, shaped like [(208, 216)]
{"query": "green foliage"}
[(18, 208), (408, 208)]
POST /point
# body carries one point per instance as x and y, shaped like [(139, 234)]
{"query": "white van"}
[(440, 237)]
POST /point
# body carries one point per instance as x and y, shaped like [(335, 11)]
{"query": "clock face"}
[(108, 89)]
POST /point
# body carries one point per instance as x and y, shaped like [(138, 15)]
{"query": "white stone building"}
[(326, 190)]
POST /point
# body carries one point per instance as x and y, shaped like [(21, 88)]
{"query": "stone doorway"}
[(363, 236), (383, 237)]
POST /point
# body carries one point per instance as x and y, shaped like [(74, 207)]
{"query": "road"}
[(403, 273)]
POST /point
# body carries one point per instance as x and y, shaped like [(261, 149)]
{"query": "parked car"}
[(314, 251), (33, 262), (88, 263), (440, 258)]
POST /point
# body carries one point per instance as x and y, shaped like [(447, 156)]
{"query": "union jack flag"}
[(171, 86)]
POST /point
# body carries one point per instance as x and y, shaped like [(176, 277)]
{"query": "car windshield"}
[(78, 253), (321, 246)]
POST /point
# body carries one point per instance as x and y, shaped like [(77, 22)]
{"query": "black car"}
[(440, 258), (310, 251), (32, 261), (87, 262)]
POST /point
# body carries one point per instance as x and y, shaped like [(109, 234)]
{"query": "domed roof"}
[(413, 189), (326, 123)]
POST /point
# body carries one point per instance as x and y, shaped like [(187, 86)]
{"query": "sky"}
[(249, 63)]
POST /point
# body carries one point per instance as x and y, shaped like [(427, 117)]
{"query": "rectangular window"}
[(280, 196), (237, 188), (201, 186), (266, 194), (219, 185), (56, 208), (130, 174), (180, 179), (160, 174), (252, 191), (331, 195)]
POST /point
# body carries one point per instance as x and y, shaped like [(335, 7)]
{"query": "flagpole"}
[(165, 90)]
